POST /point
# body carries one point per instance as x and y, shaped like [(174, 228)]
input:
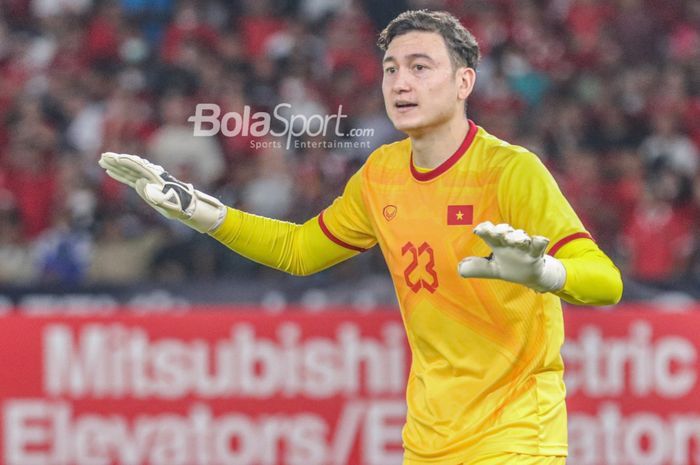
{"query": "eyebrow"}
[(411, 56)]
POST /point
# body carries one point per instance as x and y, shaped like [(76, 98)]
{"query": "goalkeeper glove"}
[(171, 198), (516, 257)]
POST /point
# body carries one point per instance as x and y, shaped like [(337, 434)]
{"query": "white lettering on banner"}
[(40, 432), (348, 424), (602, 366), (642, 438), (380, 431), (113, 360)]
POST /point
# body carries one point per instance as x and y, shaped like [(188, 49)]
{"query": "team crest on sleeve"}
[(460, 215), (389, 212)]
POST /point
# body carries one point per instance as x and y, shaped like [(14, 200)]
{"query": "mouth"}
[(404, 106)]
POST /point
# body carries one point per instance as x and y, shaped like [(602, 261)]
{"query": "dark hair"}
[(461, 44)]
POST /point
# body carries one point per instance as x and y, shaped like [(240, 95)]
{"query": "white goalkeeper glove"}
[(171, 198), (516, 257)]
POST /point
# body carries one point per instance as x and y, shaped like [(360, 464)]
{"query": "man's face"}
[(421, 88)]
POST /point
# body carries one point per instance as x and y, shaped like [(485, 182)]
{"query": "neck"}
[(433, 147)]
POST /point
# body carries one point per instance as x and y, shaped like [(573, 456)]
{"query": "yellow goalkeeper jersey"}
[(486, 373)]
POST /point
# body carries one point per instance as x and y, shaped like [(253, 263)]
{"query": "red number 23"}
[(417, 284)]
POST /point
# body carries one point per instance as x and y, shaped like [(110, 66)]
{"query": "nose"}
[(401, 82)]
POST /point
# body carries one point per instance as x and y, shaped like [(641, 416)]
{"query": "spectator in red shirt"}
[(658, 240)]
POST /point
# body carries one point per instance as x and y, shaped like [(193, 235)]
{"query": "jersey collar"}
[(447, 164)]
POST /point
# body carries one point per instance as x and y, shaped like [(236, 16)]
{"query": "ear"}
[(466, 78)]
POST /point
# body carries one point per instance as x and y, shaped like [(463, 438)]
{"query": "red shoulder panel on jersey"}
[(330, 236)]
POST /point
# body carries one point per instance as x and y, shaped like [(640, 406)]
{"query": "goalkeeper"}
[(482, 311)]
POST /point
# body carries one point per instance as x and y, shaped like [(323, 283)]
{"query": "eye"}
[(390, 70), (419, 67)]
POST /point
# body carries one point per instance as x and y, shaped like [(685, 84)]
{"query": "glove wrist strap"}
[(553, 275), (208, 213)]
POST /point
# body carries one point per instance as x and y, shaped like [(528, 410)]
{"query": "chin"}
[(407, 126)]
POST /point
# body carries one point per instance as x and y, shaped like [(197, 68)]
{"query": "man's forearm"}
[(591, 277), (289, 247)]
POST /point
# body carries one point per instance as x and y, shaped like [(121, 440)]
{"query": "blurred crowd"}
[(607, 92)]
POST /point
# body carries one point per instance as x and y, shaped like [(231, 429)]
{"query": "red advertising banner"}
[(202, 388), (632, 387), (243, 387)]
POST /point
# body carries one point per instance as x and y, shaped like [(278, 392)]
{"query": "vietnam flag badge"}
[(460, 215)]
